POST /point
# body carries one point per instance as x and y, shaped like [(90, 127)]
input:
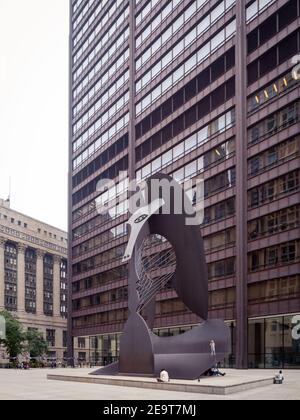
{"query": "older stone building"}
[(33, 276)]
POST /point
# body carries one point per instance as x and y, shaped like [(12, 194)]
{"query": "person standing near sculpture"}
[(212, 345)]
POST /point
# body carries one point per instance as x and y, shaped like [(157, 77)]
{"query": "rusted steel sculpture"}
[(186, 356)]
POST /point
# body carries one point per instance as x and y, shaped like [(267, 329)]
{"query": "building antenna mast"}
[(9, 189)]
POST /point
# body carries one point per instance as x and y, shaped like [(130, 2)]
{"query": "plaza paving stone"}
[(33, 384)]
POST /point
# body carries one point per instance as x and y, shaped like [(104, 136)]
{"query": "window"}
[(278, 121), (287, 14), (268, 61), (273, 156), (81, 343), (288, 47), (184, 69), (278, 255), (50, 337), (275, 56), (273, 189), (65, 339)]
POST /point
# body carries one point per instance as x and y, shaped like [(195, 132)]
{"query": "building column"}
[(56, 285), (21, 278), (2, 274), (241, 190), (131, 146), (39, 282)]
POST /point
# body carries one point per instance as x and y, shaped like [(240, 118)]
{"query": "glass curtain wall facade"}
[(174, 86)]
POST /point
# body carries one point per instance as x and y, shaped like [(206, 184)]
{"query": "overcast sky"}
[(34, 107)]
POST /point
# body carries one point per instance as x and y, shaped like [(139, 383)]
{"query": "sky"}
[(34, 107)]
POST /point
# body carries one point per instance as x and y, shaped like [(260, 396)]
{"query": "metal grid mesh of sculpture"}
[(152, 277)]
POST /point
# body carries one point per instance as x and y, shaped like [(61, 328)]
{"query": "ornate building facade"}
[(33, 276)]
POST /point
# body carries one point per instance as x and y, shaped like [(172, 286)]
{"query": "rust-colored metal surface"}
[(186, 356)]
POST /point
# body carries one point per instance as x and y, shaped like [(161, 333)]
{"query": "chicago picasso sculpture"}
[(179, 261)]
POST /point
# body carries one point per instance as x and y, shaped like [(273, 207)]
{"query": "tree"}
[(36, 344), (14, 335)]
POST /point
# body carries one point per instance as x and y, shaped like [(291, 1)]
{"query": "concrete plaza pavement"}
[(33, 385)]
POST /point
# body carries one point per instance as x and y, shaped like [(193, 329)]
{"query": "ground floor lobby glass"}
[(273, 343)]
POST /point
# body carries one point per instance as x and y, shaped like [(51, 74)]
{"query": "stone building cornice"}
[(31, 240)]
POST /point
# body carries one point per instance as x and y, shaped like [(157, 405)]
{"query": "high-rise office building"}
[(189, 87)]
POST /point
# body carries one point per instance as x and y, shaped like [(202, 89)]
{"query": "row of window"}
[(63, 289), (105, 97), (10, 280), (119, 43), (113, 212), (102, 279), (103, 41), (12, 220), (111, 297), (276, 222), (107, 156), (275, 155), (111, 317), (219, 182), (99, 240), (182, 71), (156, 22), (99, 260), (224, 122), (112, 193), (85, 10), (187, 92), (48, 286), (171, 306), (30, 294), (281, 85), (274, 123), (101, 140), (197, 112), (10, 275), (89, 22), (145, 10), (202, 26), (274, 24), (103, 119), (222, 268), (111, 173), (220, 240), (272, 190), (77, 3), (285, 253), (214, 156), (256, 7), (275, 56), (30, 281), (84, 211), (219, 211), (266, 291), (105, 77)]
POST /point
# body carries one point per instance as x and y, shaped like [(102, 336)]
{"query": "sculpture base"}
[(234, 381), (184, 356)]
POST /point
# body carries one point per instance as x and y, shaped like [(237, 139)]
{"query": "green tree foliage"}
[(14, 335), (36, 344)]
